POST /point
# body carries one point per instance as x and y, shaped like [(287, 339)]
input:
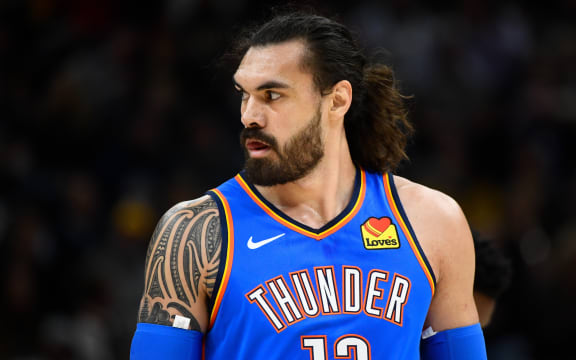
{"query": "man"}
[(315, 250)]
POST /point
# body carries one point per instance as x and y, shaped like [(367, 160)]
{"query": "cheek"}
[(281, 121)]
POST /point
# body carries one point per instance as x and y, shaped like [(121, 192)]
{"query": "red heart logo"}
[(379, 224)]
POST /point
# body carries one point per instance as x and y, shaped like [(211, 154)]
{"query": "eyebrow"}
[(271, 84)]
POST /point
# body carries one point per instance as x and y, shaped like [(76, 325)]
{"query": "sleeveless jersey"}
[(359, 287)]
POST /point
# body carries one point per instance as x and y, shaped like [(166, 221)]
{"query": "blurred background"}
[(113, 111)]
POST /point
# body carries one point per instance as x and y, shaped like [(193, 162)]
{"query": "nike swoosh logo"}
[(255, 245)]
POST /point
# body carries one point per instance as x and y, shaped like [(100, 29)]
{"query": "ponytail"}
[(378, 129)]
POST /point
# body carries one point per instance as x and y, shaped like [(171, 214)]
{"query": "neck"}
[(320, 196)]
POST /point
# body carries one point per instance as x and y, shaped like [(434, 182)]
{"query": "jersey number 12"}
[(343, 347)]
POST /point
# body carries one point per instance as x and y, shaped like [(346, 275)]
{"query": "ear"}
[(340, 98)]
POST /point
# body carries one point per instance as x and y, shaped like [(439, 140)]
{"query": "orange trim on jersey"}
[(292, 226), (407, 233), (229, 257)]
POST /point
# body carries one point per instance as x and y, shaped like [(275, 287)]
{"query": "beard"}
[(296, 159)]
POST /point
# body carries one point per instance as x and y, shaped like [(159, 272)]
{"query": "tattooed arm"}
[(182, 264)]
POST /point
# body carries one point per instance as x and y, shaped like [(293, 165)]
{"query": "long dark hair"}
[(377, 127)]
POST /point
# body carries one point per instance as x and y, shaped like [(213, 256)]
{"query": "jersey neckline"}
[(329, 228)]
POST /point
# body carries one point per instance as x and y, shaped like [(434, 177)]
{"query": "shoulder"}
[(195, 206), (178, 222), (412, 192), (182, 264), (194, 224), (437, 209), (438, 221)]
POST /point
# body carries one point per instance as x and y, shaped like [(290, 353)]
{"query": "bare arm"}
[(444, 234), (182, 264), (453, 304)]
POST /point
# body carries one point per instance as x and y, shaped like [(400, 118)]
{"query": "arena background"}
[(112, 111)]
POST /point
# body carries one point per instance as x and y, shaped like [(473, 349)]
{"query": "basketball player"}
[(315, 250)]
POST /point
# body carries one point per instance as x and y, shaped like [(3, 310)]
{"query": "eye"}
[(271, 95), (243, 94)]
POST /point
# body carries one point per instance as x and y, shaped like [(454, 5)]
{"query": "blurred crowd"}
[(113, 111)]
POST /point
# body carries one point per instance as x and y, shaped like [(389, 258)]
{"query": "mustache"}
[(257, 134)]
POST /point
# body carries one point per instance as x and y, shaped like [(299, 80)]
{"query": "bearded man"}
[(316, 249)]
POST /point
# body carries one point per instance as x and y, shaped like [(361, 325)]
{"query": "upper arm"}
[(453, 302), (182, 264), (444, 234)]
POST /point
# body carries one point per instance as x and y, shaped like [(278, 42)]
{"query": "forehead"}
[(281, 62)]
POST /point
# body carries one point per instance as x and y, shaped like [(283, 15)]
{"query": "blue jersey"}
[(359, 286)]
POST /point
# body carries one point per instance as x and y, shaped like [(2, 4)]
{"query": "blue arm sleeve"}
[(461, 343), (153, 341)]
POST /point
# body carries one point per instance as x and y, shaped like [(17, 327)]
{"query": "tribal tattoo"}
[(182, 263)]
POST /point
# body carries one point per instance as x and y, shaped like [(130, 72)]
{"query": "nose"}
[(252, 114)]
